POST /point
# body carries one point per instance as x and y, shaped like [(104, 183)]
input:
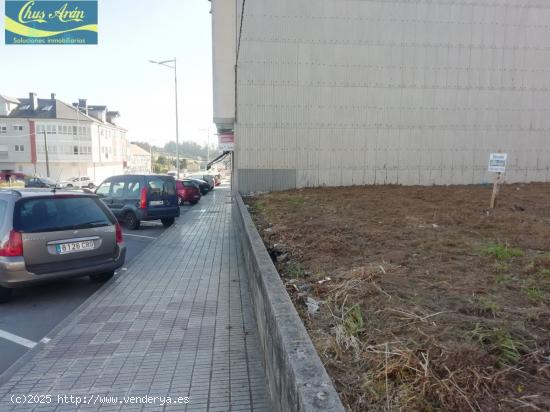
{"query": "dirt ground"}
[(420, 298)]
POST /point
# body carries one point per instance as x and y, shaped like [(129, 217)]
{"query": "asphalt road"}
[(34, 311)]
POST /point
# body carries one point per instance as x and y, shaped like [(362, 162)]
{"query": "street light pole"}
[(46, 152), (175, 68)]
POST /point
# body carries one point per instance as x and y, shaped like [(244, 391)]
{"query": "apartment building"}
[(81, 139), (353, 92)]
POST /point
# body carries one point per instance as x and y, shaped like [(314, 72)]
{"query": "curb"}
[(296, 377)]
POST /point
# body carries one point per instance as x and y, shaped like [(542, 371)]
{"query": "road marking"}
[(145, 237), (17, 339), (45, 340)]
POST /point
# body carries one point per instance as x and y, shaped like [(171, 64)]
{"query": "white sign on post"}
[(497, 162)]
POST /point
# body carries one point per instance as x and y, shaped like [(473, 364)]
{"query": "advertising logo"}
[(51, 22)]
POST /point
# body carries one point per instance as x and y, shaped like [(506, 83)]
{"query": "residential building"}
[(349, 92), (139, 160), (81, 140)]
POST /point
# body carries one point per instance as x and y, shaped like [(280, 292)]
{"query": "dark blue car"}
[(133, 198)]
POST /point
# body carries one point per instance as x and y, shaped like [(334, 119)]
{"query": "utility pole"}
[(46, 151), (175, 68)]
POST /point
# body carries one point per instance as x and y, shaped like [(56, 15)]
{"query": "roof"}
[(53, 109), (135, 150), (10, 99)]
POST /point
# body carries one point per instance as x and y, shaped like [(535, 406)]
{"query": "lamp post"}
[(166, 63)]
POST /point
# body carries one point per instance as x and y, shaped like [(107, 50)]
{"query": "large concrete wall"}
[(341, 92)]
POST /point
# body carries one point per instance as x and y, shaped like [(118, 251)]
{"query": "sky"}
[(117, 72)]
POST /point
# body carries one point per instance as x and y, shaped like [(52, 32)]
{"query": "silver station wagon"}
[(47, 235)]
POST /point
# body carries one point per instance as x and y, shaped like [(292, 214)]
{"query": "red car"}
[(187, 192)]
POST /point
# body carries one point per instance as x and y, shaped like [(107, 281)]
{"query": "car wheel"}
[(169, 221), (5, 294), (131, 221), (69, 185), (194, 202), (90, 186), (102, 277)]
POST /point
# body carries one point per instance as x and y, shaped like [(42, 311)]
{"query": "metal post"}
[(177, 123), (208, 146), (78, 139), (46, 151)]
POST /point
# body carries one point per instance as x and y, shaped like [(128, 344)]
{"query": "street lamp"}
[(166, 63)]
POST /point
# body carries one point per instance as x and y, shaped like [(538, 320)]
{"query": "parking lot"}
[(35, 311)]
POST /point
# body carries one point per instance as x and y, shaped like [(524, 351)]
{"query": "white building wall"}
[(341, 92)]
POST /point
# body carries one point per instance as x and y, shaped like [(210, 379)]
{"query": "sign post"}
[(497, 164)]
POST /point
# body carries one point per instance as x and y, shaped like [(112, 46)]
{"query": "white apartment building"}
[(81, 140), (353, 92)]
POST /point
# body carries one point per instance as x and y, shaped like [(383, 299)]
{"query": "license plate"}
[(156, 202), (73, 247)]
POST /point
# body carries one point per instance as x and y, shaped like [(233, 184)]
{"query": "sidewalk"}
[(177, 323)]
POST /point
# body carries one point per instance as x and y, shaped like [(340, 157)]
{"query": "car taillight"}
[(118, 233), (143, 199), (13, 246)]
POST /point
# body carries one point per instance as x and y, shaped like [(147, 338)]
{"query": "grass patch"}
[(502, 252), (295, 270), (296, 201), (498, 341), (488, 306), (534, 294)]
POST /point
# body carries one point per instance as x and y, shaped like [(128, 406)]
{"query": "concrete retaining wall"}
[(297, 379)]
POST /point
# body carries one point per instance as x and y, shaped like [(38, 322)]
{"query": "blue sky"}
[(116, 72)]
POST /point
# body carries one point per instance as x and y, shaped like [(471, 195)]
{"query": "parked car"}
[(46, 235), (134, 198), (207, 178), (188, 191), (204, 187), (41, 183), (79, 182)]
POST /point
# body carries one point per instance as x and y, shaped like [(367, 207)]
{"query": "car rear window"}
[(189, 184), (160, 187), (51, 214)]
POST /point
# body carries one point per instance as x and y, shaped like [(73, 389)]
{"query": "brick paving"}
[(177, 323)]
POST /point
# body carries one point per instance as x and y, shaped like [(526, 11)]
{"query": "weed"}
[(501, 267), (504, 279), (258, 207), (534, 294), (488, 306), (295, 270), (296, 201), (353, 320), (498, 341), (502, 252), (545, 272)]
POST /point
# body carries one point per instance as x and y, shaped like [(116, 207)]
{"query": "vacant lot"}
[(420, 298)]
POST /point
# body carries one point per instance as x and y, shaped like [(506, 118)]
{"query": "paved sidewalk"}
[(177, 323)]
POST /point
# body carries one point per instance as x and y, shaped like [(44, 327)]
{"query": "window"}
[(117, 189), (56, 214), (3, 129), (40, 128), (75, 150), (47, 108), (133, 189), (103, 189), (19, 148), (3, 152), (18, 128)]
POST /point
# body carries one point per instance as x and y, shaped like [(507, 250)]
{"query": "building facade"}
[(139, 160), (353, 92), (81, 140)]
